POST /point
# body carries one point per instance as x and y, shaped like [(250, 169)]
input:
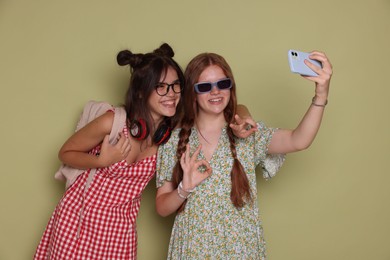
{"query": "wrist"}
[(102, 162), (186, 189), (184, 193), (319, 101)]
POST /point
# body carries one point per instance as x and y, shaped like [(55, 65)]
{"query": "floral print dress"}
[(210, 227)]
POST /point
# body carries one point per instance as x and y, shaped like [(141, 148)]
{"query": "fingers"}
[(250, 131), (243, 127), (187, 158), (250, 122), (194, 171), (208, 171), (182, 160), (238, 119), (187, 154), (206, 164), (126, 147), (106, 140), (314, 68), (234, 127), (246, 122), (324, 73), (189, 162), (320, 56), (123, 145), (196, 153)]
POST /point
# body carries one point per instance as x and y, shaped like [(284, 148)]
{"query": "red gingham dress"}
[(101, 222)]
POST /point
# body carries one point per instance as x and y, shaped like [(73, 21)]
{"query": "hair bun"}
[(165, 50), (126, 57)]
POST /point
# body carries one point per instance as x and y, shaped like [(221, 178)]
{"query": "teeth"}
[(169, 103), (215, 100)]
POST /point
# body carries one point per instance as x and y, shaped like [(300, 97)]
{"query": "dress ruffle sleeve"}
[(270, 163), (166, 159)]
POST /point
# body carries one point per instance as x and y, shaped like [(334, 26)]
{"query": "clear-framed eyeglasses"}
[(162, 88)]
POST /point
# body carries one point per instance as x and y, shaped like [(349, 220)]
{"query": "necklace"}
[(202, 135)]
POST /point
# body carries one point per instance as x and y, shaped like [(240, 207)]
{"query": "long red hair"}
[(241, 192)]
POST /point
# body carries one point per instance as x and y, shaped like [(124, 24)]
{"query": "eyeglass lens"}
[(163, 88), (205, 87)]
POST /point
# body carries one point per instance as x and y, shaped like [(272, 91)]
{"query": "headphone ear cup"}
[(139, 129), (162, 134)]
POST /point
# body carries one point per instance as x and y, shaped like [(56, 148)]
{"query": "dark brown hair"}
[(241, 192), (146, 71)]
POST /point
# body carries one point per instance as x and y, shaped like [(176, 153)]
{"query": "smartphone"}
[(296, 58)]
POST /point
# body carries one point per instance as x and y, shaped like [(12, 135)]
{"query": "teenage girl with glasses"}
[(212, 183), (99, 223)]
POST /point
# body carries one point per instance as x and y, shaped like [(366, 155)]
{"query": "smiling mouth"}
[(169, 103), (215, 100)]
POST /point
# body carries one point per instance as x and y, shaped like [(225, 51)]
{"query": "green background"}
[(328, 202)]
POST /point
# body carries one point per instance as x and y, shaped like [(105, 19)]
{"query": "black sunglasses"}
[(205, 87)]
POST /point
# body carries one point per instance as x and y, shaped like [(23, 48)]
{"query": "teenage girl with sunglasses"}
[(212, 183)]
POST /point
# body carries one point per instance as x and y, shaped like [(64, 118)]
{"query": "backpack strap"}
[(117, 126), (91, 110)]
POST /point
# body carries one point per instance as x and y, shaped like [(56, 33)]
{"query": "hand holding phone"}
[(297, 64)]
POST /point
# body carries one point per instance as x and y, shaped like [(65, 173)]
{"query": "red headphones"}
[(139, 130)]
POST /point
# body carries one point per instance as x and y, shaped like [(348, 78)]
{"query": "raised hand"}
[(192, 176), (243, 127), (322, 81)]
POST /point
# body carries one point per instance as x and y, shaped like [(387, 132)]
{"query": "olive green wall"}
[(328, 202)]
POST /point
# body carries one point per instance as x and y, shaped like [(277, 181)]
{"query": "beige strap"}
[(117, 126)]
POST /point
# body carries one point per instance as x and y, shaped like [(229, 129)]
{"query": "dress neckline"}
[(144, 160)]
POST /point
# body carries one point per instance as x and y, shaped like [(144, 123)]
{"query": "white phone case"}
[(297, 65)]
